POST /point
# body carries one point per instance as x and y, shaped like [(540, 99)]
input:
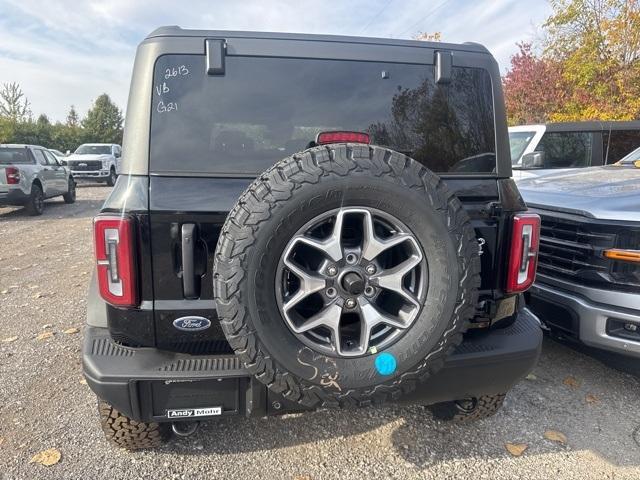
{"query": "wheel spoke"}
[(372, 245), (373, 317), (330, 246), (392, 278), (309, 284), (328, 317)]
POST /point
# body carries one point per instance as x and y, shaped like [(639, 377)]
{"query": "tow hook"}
[(184, 429)]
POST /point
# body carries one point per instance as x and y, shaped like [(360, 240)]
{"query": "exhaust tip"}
[(184, 429)]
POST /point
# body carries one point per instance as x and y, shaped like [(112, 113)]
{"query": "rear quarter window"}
[(264, 109), (620, 143)]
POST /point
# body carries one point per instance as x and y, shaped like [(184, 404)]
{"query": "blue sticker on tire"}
[(385, 364)]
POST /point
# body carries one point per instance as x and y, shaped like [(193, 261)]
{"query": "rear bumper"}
[(144, 383), (599, 325), (13, 196)]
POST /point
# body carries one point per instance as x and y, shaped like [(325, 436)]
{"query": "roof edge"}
[(177, 31)]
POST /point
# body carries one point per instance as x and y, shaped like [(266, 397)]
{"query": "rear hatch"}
[(10, 160), (218, 121)]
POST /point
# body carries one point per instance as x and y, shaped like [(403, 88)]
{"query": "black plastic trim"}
[(488, 362)]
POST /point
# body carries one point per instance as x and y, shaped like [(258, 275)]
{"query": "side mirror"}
[(68, 152), (533, 160)]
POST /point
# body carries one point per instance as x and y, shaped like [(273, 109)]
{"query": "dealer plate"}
[(194, 412)]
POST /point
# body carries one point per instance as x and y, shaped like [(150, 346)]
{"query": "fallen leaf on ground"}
[(9, 339), (516, 449), (572, 382), (556, 436), (83, 381), (591, 398), (44, 335), (71, 331), (531, 376), (47, 457), (4, 292)]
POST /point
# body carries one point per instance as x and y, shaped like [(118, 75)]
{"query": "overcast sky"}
[(65, 52)]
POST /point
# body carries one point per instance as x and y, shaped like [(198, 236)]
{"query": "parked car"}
[(96, 161), (588, 284), (29, 174), (538, 150), (58, 154), (292, 235)]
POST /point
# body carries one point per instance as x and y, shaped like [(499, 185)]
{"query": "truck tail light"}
[(114, 248), (13, 175), (324, 138), (523, 256)]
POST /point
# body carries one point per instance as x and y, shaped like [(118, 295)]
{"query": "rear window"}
[(14, 156), (264, 109)]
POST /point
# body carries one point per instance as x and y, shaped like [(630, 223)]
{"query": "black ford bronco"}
[(308, 222)]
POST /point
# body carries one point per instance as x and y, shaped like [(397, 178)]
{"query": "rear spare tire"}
[(345, 274)]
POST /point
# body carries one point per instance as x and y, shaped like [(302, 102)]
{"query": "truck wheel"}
[(111, 179), (70, 196), (124, 432), (468, 410), (35, 205), (345, 274)]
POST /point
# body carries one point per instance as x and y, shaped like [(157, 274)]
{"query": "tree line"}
[(585, 66), (103, 123)]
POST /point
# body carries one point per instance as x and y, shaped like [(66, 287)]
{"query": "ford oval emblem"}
[(192, 324)]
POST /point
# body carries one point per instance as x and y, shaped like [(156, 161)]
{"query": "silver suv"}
[(98, 161), (29, 174)]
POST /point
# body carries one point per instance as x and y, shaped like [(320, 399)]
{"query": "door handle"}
[(188, 270)]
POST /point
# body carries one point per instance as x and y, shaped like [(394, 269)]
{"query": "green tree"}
[(103, 122), (13, 103), (73, 119)]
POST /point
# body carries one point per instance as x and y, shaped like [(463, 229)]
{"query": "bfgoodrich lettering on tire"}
[(345, 274)]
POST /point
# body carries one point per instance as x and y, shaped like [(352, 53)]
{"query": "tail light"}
[(114, 248), (523, 256), (324, 138), (13, 175)]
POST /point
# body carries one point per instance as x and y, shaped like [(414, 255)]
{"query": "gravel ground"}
[(45, 265)]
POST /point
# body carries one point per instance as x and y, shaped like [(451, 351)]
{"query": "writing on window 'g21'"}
[(166, 107)]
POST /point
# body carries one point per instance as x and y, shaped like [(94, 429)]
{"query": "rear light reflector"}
[(115, 259), (13, 175), (523, 255), (324, 138)]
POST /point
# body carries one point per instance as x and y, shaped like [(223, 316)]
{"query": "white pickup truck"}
[(97, 161)]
